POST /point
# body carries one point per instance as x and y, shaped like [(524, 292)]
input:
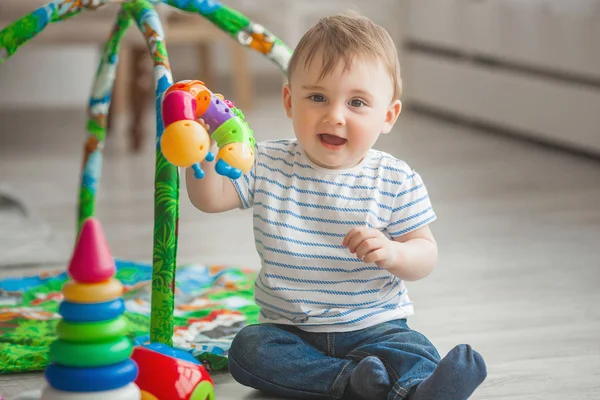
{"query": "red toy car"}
[(170, 374)]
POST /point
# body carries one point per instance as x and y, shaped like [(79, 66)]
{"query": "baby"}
[(339, 227)]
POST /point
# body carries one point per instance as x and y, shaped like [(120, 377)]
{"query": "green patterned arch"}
[(167, 183)]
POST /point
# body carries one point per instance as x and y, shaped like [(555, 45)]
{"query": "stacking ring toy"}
[(74, 354), (129, 392), (78, 312), (86, 332), (92, 292), (91, 379)]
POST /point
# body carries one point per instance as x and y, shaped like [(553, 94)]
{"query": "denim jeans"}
[(285, 361)]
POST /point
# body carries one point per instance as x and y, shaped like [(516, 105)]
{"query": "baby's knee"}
[(254, 340), (253, 350), (247, 338)]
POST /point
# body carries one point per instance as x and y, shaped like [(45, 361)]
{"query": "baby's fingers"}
[(204, 124), (362, 234), (366, 247), (349, 236), (374, 256)]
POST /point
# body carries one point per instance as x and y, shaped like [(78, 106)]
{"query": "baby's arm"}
[(214, 193), (411, 253), (410, 257), (415, 254)]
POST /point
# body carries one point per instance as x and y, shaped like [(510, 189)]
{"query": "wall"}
[(529, 68), (44, 69), (39, 77)]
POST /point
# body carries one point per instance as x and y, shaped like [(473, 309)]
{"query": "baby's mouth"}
[(332, 141)]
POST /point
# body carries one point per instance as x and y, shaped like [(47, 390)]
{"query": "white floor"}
[(518, 230)]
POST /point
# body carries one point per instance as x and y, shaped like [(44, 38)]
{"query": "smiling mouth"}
[(331, 141)]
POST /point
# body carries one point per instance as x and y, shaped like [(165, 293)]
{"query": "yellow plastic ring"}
[(92, 292)]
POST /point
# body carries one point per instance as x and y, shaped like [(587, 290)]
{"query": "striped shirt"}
[(302, 213)]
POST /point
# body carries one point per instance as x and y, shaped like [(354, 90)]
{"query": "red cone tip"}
[(92, 261)]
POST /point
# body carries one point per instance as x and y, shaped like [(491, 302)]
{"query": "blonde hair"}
[(344, 37)]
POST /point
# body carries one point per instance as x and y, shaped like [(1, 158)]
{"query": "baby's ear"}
[(287, 99), (391, 116)]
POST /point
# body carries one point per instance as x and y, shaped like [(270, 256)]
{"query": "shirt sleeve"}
[(412, 207), (244, 185)]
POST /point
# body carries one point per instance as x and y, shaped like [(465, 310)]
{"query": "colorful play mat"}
[(212, 303)]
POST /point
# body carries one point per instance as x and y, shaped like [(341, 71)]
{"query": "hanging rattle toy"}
[(186, 143)]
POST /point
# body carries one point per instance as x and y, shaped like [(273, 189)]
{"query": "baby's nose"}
[(335, 116)]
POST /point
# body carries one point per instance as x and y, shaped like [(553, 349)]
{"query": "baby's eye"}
[(357, 103), (317, 98)]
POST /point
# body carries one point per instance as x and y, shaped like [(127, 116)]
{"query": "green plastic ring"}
[(73, 354), (91, 332)]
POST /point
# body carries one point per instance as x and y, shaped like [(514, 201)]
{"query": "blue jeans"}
[(285, 361)]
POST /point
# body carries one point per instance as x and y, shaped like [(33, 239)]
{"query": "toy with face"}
[(185, 142)]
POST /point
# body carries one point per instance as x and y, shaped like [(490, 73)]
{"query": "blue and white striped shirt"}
[(302, 213)]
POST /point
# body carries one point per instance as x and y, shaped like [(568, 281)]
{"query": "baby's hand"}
[(204, 124), (370, 245)]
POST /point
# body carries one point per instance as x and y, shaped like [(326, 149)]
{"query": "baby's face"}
[(338, 118)]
